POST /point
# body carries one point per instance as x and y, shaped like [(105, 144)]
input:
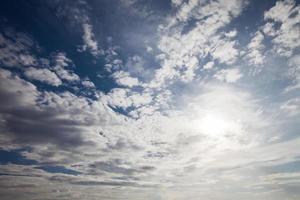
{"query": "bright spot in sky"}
[(217, 125)]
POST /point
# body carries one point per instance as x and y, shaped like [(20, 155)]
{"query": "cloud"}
[(124, 78), (229, 75), (89, 40), (225, 52), (293, 73), (180, 49), (158, 125), (231, 34), (77, 14), (136, 66), (291, 107), (61, 62), (208, 65), (43, 75), (125, 98), (88, 84), (285, 17), (15, 50), (16, 91), (255, 49), (24, 117)]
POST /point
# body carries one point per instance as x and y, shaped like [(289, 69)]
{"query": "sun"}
[(216, 125)]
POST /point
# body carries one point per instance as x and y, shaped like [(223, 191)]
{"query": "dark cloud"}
[(27, 123), (35, 126)]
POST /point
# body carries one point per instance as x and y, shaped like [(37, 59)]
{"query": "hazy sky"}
[(150, 99)]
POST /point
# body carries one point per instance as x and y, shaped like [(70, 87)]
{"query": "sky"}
[(152, 100)]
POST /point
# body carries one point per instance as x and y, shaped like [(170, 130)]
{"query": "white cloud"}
[(27, 60), (43, 75), (209, 65), (229, 75), (269, 29), (255, 49), (124, 78), (88, 84), (291, 107), (149, 49), (231, 34), (294, 73), (90, 43), (112, 60), (65, 74), (225, 52), (61, 62), (178, 49), (61, 59), (286, 36), (124, 98)]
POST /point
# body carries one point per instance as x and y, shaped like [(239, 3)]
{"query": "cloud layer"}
[(150, 100)]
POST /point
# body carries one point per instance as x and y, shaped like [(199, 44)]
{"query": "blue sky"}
[(160, 100)]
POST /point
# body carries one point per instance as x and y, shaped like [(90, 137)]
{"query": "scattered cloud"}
[(168, 94), (183, 50), (285, 17)]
